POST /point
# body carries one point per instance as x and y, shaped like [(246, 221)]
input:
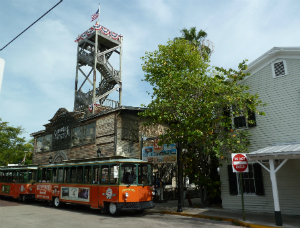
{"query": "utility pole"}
[(180, 176)]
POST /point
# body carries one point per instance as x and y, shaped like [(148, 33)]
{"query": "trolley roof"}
[(11, 168), (101, 160)]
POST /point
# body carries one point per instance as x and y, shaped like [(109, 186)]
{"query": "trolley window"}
[(54, 175), (60, 174), (32, 175), (80, 174), (145, 176), (114, 174), (67, 175), (87, 174), (128, 174), (96, 174), (73, 174), (104, 174)]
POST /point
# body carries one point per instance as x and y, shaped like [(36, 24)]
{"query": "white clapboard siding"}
[(281, 124), (282, 95)]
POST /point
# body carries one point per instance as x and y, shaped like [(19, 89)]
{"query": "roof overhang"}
[(271, 56), (287, 151)]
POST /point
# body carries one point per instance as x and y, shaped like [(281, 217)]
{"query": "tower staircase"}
[(88, 60)]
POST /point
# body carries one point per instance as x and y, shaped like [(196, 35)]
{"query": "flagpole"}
[(99, 15)]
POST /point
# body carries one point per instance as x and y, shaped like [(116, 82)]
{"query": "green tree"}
[(12, 146), (198, 40), (194, 100)]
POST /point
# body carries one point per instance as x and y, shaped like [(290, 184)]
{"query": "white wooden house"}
[(275, 139)]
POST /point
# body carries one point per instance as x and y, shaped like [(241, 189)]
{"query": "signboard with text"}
[(239, 163), (160, 154)]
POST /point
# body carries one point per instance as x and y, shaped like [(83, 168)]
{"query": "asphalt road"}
[(39, 215)]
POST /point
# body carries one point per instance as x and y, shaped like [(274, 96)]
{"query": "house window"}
[(83, 134), (240, 121), (44, 143), (252, 181), (279, 68)]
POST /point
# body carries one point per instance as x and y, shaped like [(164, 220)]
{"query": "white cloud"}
[(40, 65)]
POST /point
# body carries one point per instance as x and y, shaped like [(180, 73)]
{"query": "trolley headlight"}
[(126, 194)]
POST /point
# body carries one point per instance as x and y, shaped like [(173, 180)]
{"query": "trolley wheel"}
[(56, 202), (112, 209)]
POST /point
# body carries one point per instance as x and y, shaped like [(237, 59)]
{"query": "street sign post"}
[(240, 165)]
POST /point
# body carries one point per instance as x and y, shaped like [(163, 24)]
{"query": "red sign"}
[(239, 163)]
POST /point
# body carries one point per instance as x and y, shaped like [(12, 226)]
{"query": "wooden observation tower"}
[(95, 48)]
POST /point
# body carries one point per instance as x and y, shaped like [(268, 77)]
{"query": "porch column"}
[(278, 218)]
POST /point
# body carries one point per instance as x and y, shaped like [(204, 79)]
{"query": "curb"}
[(233, 221)]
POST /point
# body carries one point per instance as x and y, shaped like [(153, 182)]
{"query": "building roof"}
[(130, 108), (270, 56), (282, 151), (83, 119)]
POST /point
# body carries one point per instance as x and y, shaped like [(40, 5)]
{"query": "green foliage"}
[(12, 146), (198, 40), (193, 99)]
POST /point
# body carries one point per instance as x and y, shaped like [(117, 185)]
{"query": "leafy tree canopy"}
[(198, 40), (192, 98), (197, 102), (12, 146)]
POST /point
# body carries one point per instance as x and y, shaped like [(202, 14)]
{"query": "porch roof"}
[(283, 151)]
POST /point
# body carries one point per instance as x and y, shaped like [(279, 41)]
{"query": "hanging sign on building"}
[(239, 163), (160, 154)]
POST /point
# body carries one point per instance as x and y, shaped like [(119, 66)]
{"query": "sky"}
[(40, 65)]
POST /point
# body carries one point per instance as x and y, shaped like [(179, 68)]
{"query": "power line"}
[(30, 25)]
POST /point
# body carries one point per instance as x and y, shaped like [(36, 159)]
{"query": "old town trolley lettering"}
[(110, 184)]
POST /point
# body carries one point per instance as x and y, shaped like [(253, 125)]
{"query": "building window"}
[(83, 134), (130, 128), (252, 181), (89, 133), (279, 68), (44, 143), (240, 121)]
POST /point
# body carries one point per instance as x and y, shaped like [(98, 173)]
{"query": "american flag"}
[(95, 15)]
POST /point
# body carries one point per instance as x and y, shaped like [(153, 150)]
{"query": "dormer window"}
[(279, 68)]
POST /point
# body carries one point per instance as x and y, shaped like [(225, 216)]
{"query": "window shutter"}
[(258, 178), (232, 181)]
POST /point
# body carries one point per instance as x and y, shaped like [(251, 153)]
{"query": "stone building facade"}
[(74, 135)]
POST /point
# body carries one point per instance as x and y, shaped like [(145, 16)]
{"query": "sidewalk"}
[(254, 220)]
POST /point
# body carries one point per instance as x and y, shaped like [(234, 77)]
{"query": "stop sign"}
[(239, 163)]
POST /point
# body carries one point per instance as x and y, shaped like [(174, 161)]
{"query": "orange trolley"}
[(109, 184), (18, 182)]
